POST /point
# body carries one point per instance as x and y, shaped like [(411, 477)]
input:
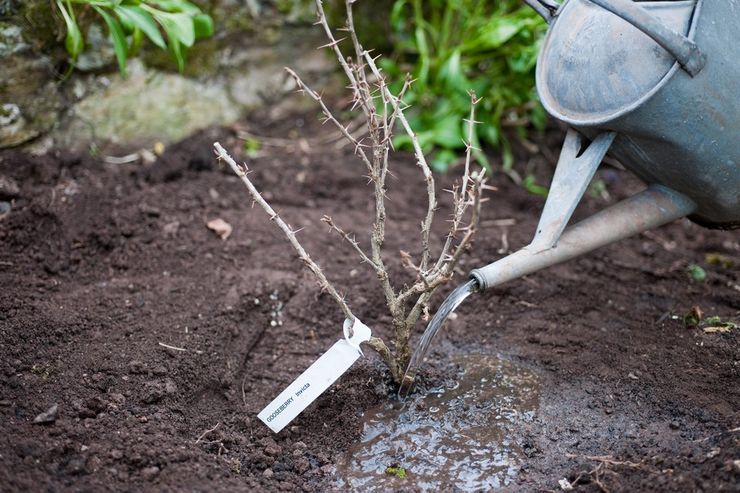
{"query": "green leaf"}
[(696, 273), (448, 132), (532, 187), (442, 160), (177, 53), (203, 26), (74, 42), (177, 6), (143, 20), (119, 38), (179, 27), (397, 471), (421, 44), (498, 31), (135, 45)]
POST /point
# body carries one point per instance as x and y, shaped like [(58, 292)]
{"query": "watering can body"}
[(657, 85), (598, 72)]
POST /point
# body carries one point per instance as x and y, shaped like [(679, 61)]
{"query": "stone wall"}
[(240, 68)]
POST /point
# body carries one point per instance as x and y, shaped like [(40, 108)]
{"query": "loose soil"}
[(159, 342)]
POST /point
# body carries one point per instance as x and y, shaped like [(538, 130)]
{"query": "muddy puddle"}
[(460, 436)]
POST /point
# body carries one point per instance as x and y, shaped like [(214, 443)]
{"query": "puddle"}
[(461, 436)]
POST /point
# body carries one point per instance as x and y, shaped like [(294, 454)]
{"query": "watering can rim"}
[(603, 118)]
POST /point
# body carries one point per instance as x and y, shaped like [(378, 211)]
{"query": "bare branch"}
[(330, 117), (461, 201), (420, 160), (381, 110), (287, 230), (333, 42), (349, 239)]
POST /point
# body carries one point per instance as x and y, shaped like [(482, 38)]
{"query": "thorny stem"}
[(426, 225), (363, 97), (349, 239), (330, 117), (380, 123), (241, 172)]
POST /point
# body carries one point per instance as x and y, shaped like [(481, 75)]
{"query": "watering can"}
[(657, 85)]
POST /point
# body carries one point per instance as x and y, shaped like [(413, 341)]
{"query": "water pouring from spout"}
[(665, 117), (446, 308)]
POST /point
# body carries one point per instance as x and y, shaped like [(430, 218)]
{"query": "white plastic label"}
[(316, 379)]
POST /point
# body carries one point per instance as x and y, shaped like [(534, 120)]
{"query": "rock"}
[(117, 398), (170, 387), (47, 417), (137, 367), (30, 95), (272, 448), (9, 189), (4, 209), (153, 393), (96, 405), (146, 107), (150, 473), (76, 465), (170, 229), (267, 473), (301, 465)]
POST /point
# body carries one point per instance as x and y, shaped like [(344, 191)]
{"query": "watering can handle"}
[(683, 49), (546, 8)]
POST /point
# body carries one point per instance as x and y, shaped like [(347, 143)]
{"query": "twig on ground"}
[(174, 348), (210, 430)]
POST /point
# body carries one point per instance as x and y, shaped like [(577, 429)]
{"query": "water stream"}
[(448, 306), (464, 435)]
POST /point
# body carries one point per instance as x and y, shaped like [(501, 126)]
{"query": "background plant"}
[(451, 47), (171, 25)]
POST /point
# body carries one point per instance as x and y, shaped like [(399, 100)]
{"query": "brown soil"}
[(101, 264)]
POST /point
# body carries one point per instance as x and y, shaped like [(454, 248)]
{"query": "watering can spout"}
[(653, 207)]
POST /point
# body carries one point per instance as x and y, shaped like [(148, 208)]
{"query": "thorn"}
[(332, 44)]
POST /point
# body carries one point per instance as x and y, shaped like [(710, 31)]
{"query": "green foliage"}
[(451, 47), (696, 273), (129, 21), (399, 472)]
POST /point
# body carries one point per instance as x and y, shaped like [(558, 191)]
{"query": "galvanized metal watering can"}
[(657, 85)]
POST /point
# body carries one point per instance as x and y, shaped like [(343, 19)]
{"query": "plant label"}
[(317, 378)]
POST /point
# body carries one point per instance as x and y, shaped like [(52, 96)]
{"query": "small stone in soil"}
[(150, 473), (48, 416), (4, 209)]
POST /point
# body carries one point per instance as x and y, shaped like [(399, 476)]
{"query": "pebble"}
[(150, 473), (117, 398), (9, 189), (137, 367), (267, 473), (4, 209), (47, 417), (301, 465)]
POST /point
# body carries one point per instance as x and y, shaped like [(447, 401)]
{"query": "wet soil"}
[(158, 342), (460, 435)]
